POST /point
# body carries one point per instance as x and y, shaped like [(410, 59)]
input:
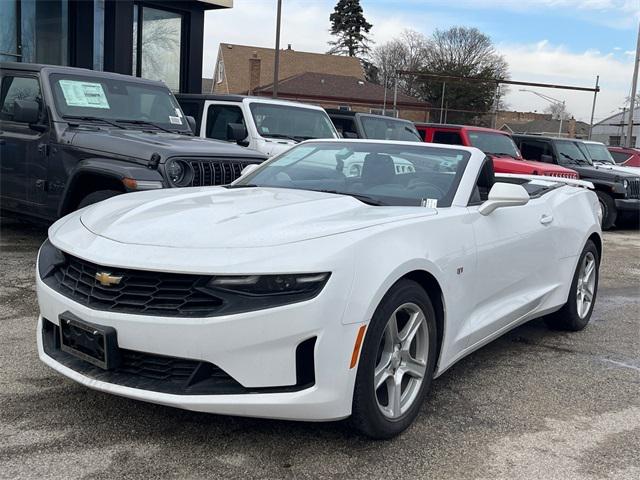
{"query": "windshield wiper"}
[(573, 160), (363, 198), (280, 135), (146, 122), (92, 119), (504, 154)]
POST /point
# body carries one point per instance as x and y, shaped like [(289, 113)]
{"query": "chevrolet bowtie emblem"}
[(106, 279)]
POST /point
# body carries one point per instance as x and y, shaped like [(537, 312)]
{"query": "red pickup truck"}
[(495, 143)]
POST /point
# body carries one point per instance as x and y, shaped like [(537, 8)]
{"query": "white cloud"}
[(546, 63), (305, 25)]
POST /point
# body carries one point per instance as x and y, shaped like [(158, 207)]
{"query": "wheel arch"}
[(85, 182), (597, 241), (432, 287)]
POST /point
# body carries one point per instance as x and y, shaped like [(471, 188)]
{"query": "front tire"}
[(609, 211), (397, 362), (576, 313)]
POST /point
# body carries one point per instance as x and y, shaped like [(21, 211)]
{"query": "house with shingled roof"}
[(331, 81)]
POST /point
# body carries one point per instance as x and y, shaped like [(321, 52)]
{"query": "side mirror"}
[(248, 169), (237, 132), (349, 135), (192, 124), (26, 111), (546, 158), (504, 195)]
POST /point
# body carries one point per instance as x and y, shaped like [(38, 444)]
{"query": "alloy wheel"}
[(586, 285), (401, 361)]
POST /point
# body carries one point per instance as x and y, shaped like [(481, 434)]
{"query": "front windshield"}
[(290, 122), (599, 153), (381, 128), (570, 154), (494, 143), (126, 102), (375, 173)]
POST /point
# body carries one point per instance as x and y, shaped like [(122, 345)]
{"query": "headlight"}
[(266, 285), (49, 259), (179, 172), (245, 293), (625, 184)]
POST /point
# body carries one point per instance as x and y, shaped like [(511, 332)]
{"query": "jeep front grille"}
[(633, 188), (216, 172)]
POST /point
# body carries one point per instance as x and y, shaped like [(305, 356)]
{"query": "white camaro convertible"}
[(302, 292)]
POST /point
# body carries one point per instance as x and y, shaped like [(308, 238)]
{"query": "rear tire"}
[(401, 361), (96, 197), (575, 314), (609, 212)]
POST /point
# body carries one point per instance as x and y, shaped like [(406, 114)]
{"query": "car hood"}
[(216, 217), (619, 168), (141, 144), (528, 166), (603, 172)]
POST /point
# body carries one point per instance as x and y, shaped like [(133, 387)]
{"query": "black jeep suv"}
[(618, 191), (70, 137)]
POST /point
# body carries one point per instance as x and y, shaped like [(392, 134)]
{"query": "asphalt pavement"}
[(533, 404)]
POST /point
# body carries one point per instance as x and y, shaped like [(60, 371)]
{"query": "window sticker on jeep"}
[(83, 94), (175, 120)]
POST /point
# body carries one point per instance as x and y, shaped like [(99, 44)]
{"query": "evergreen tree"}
[(350, 27)]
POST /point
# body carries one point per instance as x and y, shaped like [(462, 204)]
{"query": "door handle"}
[(546, 219)]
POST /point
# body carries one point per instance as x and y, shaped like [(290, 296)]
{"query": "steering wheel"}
[(429, 189)]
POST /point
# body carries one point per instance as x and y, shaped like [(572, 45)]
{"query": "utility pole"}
[(634, 86), (276, 61), (444, 87), (593, 105), (384, 101)]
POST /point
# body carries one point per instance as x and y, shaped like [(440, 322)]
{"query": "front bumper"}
[(257, 349), (628, 204)]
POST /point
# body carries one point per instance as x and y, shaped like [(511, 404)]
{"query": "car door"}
[(514, 257), (22, 154)]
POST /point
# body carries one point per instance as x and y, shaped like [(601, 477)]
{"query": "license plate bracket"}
[(96, 344)]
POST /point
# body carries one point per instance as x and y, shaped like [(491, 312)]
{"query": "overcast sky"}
[(552, 41)]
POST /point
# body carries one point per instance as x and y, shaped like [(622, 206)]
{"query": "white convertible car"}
[(303, 293)]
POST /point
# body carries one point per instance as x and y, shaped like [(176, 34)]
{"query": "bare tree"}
[(408, 52), (463, 52), (558, 110)]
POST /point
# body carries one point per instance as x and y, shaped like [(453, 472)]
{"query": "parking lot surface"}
[(533, 404)]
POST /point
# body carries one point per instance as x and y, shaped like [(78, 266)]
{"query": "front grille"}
[(138, 291), (180, 376), (562, 175), (633, 188), (215, 172)]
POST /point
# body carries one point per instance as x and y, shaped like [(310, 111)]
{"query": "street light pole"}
[(553, 101), (634, 86), (276, 60), (561, 116)]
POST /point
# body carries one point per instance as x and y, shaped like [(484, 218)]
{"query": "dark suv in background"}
[(617, 191), (70, 137), (376, 127)]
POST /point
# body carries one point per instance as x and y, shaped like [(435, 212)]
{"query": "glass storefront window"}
[(9, 32), (36, 32), (157, 45)]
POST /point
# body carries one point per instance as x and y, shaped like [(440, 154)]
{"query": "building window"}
[(614, 141), (220, 76), (344, 108), (9, 32), (157, 45), (32, 31)]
